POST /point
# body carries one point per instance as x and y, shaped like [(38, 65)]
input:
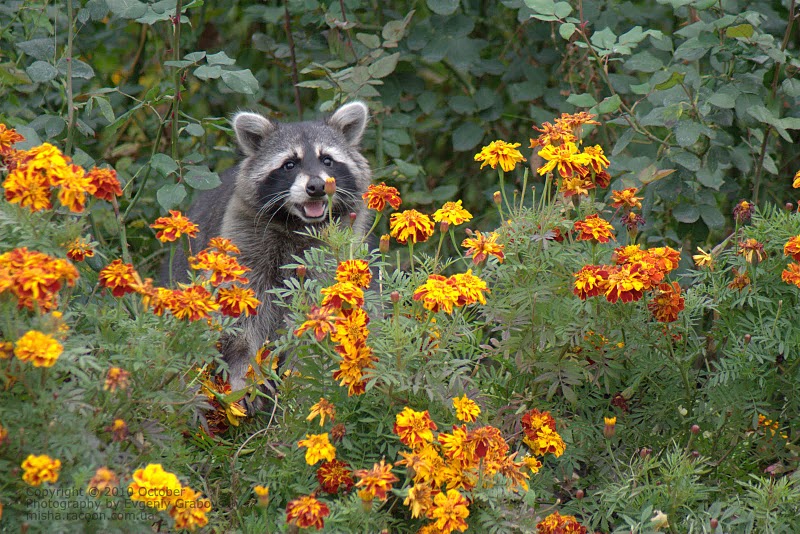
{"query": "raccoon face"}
[(282, 177)]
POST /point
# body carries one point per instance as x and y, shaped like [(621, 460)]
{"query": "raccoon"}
[(275, 192)]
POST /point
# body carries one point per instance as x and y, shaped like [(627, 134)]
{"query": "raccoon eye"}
[(289, 165), (327, 161)]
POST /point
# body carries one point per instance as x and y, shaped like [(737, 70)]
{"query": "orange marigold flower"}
[(333, 475), (102, 480), (236, 300), (39, 469), (596, 158), (8, 137), (377, 196), (467, 409), (173, 227), (667, 303), (752, 250), (414, 428), (355, 360), (34, 278), (419, 499), (318, 447), (155, 487), (449, 511), (105, 182), (350, 330), (192, 303), (560, 524), (593, 228), (470, 288), (791, 275), (224, 268), (452, 213), (342, 293), (119, 277), (324, 408), (6, 350), (189, 512), (376, 482), (482, 246), (456, 446), (223, 244), (437, 293), (116, 378), (546, 441), (321, 320), (576, 184), (410, 225), (28, 189), (665, 258), (565, 157), (38, 348), (575, 121), (532, 463), (743, 211), (627, 198), (119, 429), (307, 512), (73, 186), (740, 280), (796, 180), (553, 134), (625, 282), (506, 154), (355, 271), (792, 248), (590, 281), (79, 249)]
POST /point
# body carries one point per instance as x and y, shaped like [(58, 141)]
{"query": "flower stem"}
[(70, 96)]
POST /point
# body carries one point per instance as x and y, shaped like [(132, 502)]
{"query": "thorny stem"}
[(295, 78), (123, 237), (70, 96), (176, 99), (140, 189)]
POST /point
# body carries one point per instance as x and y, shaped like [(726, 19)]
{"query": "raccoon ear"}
[(351, 119), (251, 130)]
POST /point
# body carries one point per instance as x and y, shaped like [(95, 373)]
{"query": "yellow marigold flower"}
[(703, 259), (596, 158), (424, 464), (317, 448), (321, 320), (576, 185), (8, 137), (482, 246), (263, 495), (39, 469), (565, 158), (437, 293), (306, 512), (466, 409), (155, 487), (593, 228), (470, 288), (351, 329), (456, 446), (354, 271), (6, 349), (333, 475), (224, 268), (792, 248), (189, 511), (414, 428), (553, 134), (324, 408), (173, 227), (223, 244), (625, 282), (532, 463), (28, 189), (574, 121), (791, 275), (119, 429), (410, 225), (236, 300), (38, 348), (116, 378), (547, 441), (449, 511), (506, 154), (560, 524), (667, 303), (376, 482), (610, 427), (105, 183), (796, 181), (452, 213), (73, 186), (590, 281), (377, 196), (192, 303), (103, 480), (79, 249), (342, 293), (419, 499), (119, 277), (752, 250), (627, 198)]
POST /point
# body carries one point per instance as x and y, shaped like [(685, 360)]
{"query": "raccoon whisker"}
[(274, 199)]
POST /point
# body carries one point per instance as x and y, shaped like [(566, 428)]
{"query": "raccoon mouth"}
[(314, 209)]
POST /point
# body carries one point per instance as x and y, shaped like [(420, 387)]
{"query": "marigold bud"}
[(301, 271), (789, 206), (695, 429), (579, 494), (384, 244), (695, 454), (337, 432), (353, 216), (330, 185), (644, 452), (714, 523), (610, 427), (497, 198), (394, 296), (747, 338), (444, 226)]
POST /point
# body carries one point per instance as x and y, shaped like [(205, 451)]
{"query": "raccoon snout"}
[(315, 187)]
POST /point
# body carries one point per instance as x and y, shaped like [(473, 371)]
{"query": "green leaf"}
[(685, 159), (644, 62), (201, 178), (623, 141), (54, 126), (241, 81), (444, 193), (584, 100), (163, 164), (674, 79), (694, 48), (610, 104), (688, 132), (43, 49), (723, 99), (220, 58), (79, 69), (467, 136), (562, 10), (171, 195), (127, 9), (566, 30), (194, 57), (712, 216), (712, 180), (640, 89), (369, 40), (686, 213), (41, 71), (409, 170), (384, 66), (744, 31), (208, 72), (394, 30), (443, 7), (105, 108), (605, 39), (194, 129), (462, 105)]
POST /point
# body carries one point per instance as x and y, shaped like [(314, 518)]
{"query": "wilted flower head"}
[(743, 211)]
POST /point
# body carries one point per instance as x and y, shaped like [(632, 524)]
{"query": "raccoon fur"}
[(276, 191)]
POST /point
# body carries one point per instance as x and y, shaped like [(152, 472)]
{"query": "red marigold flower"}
[(752, 250), (224, 268), (577, 184), (355, 271), (482, 246), (470, 288), (437, 293), (625, 282), (597, 159), (119, 277), (590, 281), (560, 524), (350, 330), (627, 198), (410, 225), (553, 134), (791, 275), (79, 249), (743, 211), (8, 137), (324, 409), (414, 428), (192, 303), (342, 293), (223, 244), (105, 182), (116, 378), (307, 512), (667, 303), (375, 482), (632, 221), (565, 157), (593, 228), (377, 196), (740, 280), (333, 475), (173, 227), (321, 320), (792, 248), (236, 300)]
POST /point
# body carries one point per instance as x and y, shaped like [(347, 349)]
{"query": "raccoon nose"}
[(315, 187)]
